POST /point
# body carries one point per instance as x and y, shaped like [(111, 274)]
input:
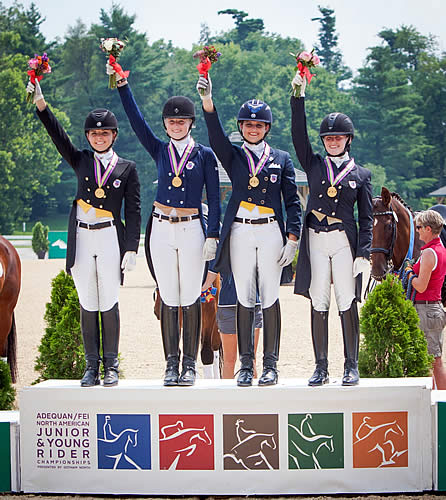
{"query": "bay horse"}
[(395, 237), (10, 281), (210, 336)]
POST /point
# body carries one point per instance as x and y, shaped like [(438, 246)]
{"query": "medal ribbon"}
[(101, 179), (177, 168), (253, 168), (335, 180)]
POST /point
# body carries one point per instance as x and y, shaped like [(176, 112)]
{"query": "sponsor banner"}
[(439, 439), (218, 439), (9, 458)]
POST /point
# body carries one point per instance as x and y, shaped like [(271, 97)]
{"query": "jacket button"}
[(336, 201), (101, 206), (168, 201), (323, 182), (181, 202), (170, 173), (340, 187), (263, 190), (88, 201), (249, 187), (182, 189), (169, 187), (108, 187), (88, 189), (249, 199), (266, 178), (326, 229), (320, 196), (320, 209), (262, 202), (86, 178), (333, 213)]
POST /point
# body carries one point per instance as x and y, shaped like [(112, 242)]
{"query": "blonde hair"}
[(432, 219)]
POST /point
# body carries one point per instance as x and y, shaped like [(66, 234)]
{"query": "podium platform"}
[(218, 439)]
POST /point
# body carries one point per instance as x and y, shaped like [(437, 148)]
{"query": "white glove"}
[(360, 265), (299, 81), (209, 248), (287, 253), (30, 88), (128, 261), (204, 87)]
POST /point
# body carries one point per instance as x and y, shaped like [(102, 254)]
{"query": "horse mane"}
[(398, 197)]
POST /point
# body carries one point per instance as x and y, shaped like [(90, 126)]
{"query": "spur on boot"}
[(91, 375), (320, 375), (188, 373), (172, 373)]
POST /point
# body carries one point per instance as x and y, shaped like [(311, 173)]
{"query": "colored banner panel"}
[(441, 447), (250, 442), (316, 441), (5, 457), (380, 439), (186, 442)]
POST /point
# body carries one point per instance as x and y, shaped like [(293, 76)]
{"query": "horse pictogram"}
[(380, 440), (305, 444), (251, 449)]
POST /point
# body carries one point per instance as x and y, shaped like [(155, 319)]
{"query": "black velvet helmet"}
[(255, 110), (336, 124), (101, 119), (179, 107)]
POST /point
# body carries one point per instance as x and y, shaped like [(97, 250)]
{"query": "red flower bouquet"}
[(208, 56), (113, 47), (305, 61), (39, 66)]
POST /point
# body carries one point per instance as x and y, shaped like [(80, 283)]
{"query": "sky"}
[(357, 21)]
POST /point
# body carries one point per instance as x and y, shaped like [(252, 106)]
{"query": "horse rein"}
[(388, 252)]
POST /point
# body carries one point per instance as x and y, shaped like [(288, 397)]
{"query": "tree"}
[(243, 26), (327, 50)]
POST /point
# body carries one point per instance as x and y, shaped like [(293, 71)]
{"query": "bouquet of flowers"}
[(113, 47), (208, 56), (39, 66), (305, 60)]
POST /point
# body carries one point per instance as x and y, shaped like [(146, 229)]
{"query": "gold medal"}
[(332, 191), (176, 182), (254, 181), (99, 193)]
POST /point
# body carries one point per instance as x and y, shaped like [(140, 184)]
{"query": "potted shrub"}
[(40, 243)]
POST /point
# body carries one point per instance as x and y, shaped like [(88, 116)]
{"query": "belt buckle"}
[(174, 219), (247, 221)]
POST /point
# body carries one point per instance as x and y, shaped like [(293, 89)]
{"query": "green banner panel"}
[(5, 457)]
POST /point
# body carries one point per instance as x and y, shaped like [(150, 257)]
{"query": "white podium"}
[(218, 439)]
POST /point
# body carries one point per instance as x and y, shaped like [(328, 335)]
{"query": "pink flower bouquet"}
[(39, 66), (305, 61)]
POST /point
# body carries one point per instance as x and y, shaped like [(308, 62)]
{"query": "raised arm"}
[(291, 200), (53, 127)]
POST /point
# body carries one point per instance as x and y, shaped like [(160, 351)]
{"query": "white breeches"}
[(255, 250), (331, 259), (97, 268), (176, 251)]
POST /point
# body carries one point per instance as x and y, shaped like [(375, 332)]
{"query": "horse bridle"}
[(388, 252)]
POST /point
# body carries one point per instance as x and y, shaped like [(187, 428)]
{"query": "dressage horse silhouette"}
[(305, 445), (10, 280), (117, 447)]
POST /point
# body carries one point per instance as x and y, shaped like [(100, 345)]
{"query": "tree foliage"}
[(392, 344), (7, 390)]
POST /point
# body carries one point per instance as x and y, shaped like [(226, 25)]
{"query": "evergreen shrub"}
[(7, 391), (39, 242), (392, 343)]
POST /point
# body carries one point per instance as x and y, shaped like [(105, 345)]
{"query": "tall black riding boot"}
[(170, 332), (191, 341), (245, 340), (350, 332), (271, 342), (319, 334), (110, 345), (90, 336)]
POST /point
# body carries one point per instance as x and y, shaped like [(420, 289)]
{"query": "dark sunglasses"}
[(419, 227)]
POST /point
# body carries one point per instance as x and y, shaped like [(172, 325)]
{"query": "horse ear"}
[(385, 196)]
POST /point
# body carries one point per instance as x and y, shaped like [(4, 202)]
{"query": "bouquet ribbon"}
[(117, 67), (204, 66), (304, 71), (33, 77)]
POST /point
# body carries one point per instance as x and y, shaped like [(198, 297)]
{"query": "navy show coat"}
[(355, 188), (200, 171), (122, 185), (277, 182)]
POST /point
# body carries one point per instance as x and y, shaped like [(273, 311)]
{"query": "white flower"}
[(108, 44)]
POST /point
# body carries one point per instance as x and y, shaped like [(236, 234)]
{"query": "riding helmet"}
[(336, 124), (101, 119), (255, 110), (179, 107)]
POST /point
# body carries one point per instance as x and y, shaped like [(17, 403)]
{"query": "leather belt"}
[(338, 226), (263, 220), (99, 225), (174, 219), (427, 302)]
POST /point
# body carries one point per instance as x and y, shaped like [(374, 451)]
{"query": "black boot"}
[(245, 340), (170, 332), (319, 334), (90, 336), (271, 342), (191, 340), (350, 332), (110, 345)]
